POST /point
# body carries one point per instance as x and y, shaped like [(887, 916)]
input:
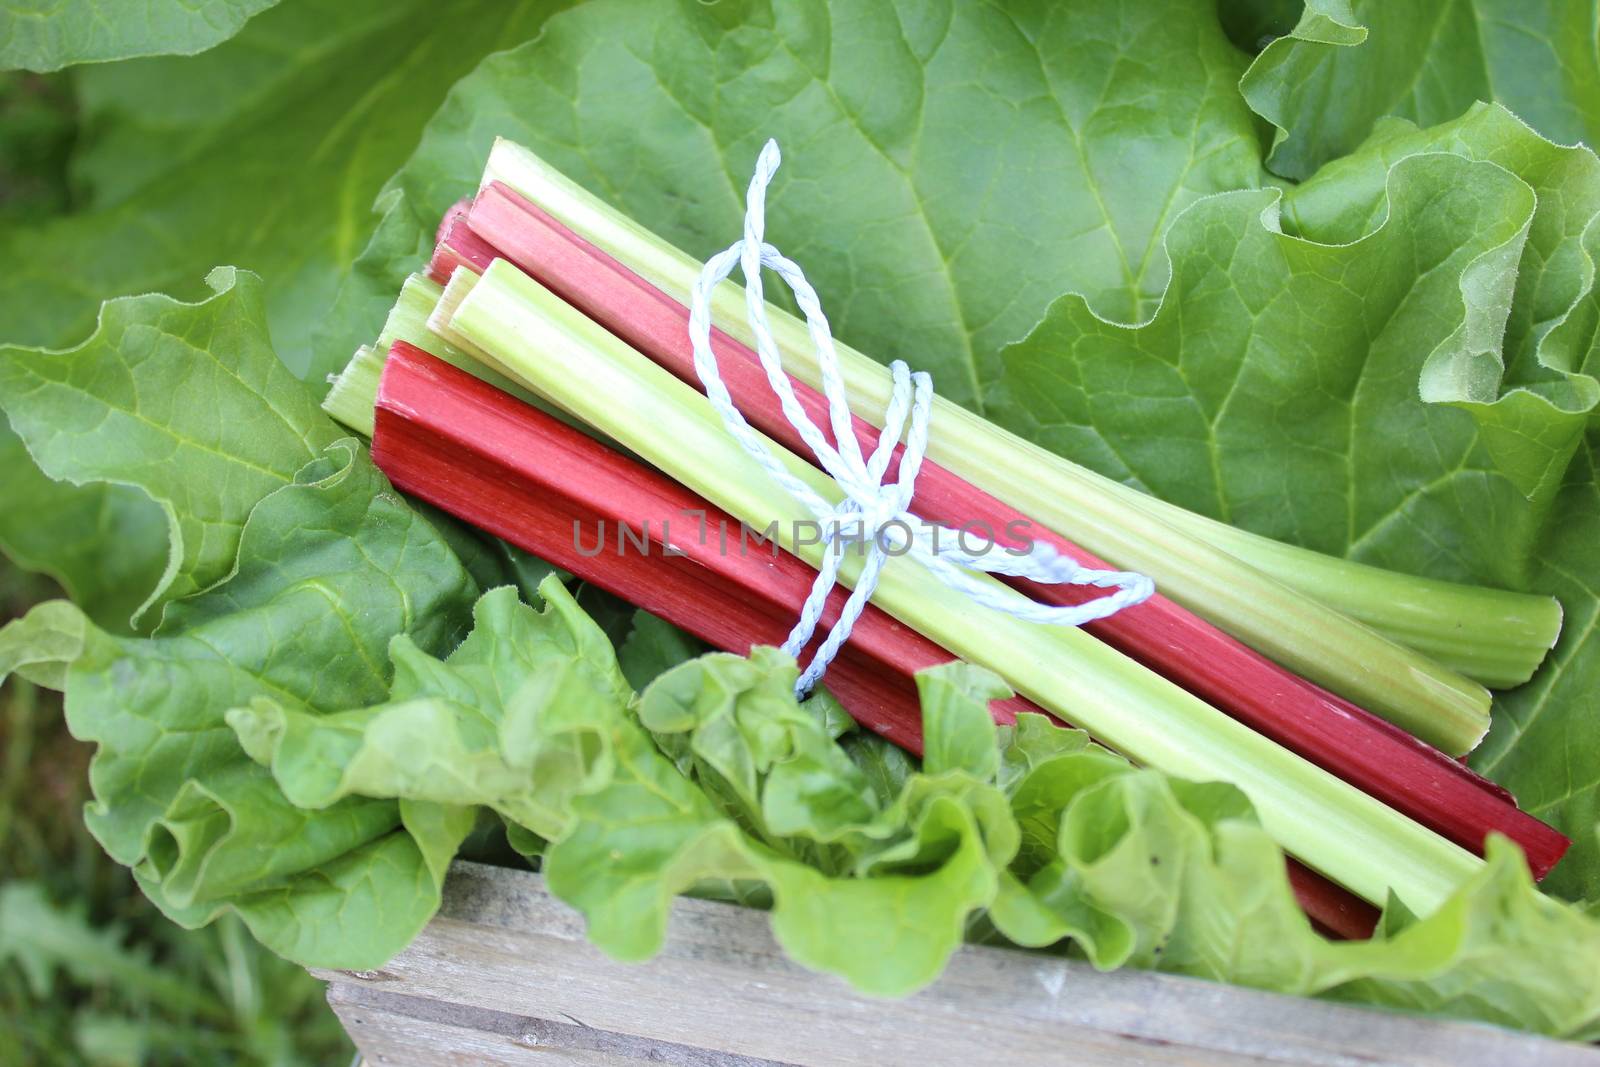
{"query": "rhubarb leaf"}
[(186, 402), (1518, 360), (767, 761), (715, 776), (1349, 63), (972, 162), (66, 531), (266, 151), (1273, 395), (1443, 283), (49, 35), (204, 828), (1179, 876), (716, 780), (512, 720), (1545, 734), (880, 894), (652, 647)]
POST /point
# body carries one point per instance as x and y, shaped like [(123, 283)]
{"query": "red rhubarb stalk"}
[(516, 472), (520, 474), (1364, 750), (458, 245)]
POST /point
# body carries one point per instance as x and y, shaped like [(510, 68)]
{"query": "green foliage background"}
[(1326, 271), (91, 972)]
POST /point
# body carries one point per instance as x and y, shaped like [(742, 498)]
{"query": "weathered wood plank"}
[(399, 1030), (504, 953)]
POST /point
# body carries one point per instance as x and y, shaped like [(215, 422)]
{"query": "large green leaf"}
[(507, 721), (1406, 378), (1176, 875), (50, 34), (1349, 63), (294, 564), (266, 152), (330, 567), (531, 716), (970, 162), (1522, 361), (186, 402), (105, 544), (1273, 392)]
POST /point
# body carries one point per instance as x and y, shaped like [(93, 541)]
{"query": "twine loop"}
[(875, 517)]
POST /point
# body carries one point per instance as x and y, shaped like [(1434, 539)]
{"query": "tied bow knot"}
[(878, 512)]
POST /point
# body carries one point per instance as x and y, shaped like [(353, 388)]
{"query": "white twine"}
[(879, 513)]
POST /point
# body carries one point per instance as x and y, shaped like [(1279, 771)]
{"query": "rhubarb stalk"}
[(514, 471), (1380, 759), (1493, 636), (1429, 701), (559, 353), (349, 398)]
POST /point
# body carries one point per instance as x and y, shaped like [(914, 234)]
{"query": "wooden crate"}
[(503, 976)]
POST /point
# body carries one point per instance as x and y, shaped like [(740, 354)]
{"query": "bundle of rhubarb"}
[(538, 383)]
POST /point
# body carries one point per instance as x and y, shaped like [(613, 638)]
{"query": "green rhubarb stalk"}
[(578, 366), (354, 390), (1495, 637)]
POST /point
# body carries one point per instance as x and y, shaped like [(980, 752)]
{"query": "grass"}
[(91, 973)]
